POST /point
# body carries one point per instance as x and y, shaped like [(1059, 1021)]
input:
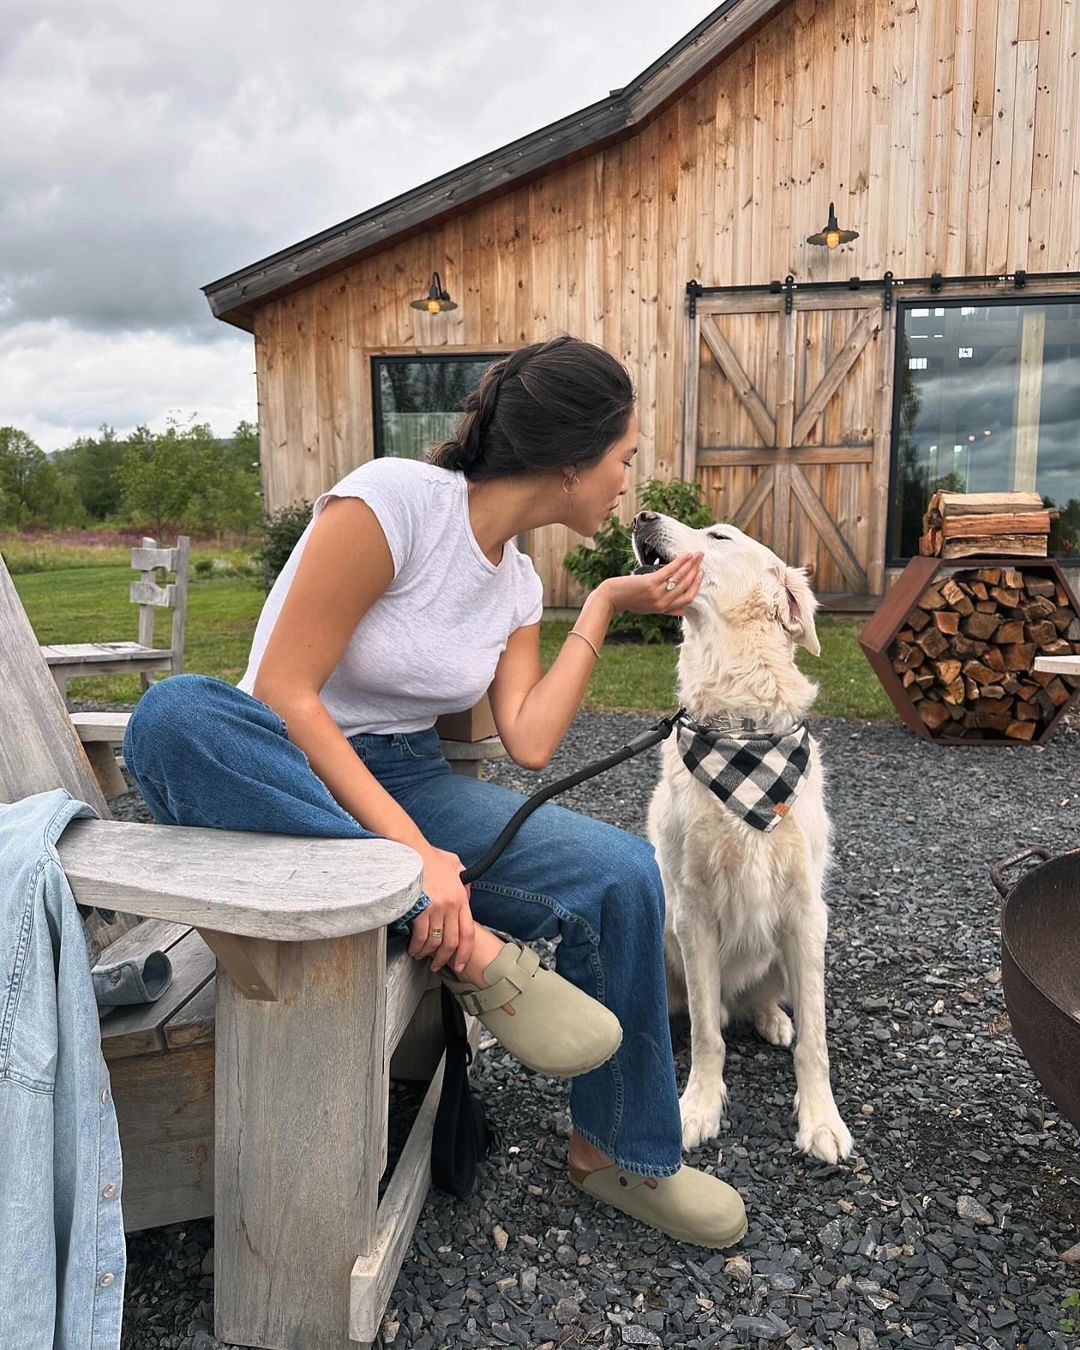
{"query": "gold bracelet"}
[(574, 633)]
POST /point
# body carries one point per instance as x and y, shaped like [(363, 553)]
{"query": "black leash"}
[(660, 732)]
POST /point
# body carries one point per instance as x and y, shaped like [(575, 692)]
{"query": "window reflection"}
[(988, 401), (419, 400)]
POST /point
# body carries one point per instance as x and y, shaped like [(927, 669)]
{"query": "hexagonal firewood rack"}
[(892, 616)]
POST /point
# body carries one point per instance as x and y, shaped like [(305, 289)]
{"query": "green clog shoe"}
[(554, 1028)]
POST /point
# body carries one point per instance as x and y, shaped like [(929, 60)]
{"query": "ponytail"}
[(553, 403)]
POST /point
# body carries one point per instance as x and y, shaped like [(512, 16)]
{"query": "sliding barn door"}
[(789, 417)]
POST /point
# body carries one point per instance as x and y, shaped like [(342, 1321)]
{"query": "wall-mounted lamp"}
[(832, 236), (436, 299)]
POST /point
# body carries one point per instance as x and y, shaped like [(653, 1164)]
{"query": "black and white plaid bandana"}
[(757, 774)]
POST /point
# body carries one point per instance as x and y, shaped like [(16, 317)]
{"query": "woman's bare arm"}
[(345, 567), (532, 710)]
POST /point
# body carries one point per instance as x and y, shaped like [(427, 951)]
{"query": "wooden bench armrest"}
[(100, 726), (286, 888), (110, 727), (489, 748)]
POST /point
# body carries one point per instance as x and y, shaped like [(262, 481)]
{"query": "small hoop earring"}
[(569, 484)]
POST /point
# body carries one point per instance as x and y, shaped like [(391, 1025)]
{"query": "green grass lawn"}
[(90, 604), (639, 677)]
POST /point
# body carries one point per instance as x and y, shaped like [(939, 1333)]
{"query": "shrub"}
[(612, 555), (215, 566), (281, 531)]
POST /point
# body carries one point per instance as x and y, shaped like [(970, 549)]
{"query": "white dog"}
[(746, 920)]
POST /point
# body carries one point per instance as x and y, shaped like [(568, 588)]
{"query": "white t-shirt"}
[(430, 643)]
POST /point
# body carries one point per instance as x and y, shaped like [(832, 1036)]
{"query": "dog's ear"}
[(795, 606)]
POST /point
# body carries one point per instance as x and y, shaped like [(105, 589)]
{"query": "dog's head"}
[(745, 584)]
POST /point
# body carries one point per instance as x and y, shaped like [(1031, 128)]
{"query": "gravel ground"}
[(948, 1227)]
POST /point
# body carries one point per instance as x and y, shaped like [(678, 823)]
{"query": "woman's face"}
[(596, 494)]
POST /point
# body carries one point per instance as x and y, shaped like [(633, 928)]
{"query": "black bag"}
[(462, 1138)]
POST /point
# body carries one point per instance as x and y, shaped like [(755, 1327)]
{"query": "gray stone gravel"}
[(947, 1228)]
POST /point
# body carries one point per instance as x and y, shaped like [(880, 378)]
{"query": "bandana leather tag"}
[(756, 774)]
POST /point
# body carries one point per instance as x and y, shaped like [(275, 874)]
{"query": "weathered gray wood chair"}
[(70, 659), (468, 741), (256, 1088)]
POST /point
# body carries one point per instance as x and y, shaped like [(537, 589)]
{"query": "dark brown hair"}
[(558, 402)]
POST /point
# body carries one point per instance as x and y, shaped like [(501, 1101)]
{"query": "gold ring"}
[(435, 933)]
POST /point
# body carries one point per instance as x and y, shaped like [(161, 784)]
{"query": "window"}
[(987, 399), (418, 399)]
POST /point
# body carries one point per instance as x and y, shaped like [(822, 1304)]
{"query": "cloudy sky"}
[(149, 150)]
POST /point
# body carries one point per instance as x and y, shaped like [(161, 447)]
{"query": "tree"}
[(226, 493), (186, 476), (245, 444), (158, 473), (90, 466), (27, 480)]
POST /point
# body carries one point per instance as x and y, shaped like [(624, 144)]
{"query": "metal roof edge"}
[(233, 297)]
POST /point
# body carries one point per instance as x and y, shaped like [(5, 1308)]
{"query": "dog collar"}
[(756, 774), (726, 724)]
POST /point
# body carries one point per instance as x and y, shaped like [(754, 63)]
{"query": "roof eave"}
[(235, 297)]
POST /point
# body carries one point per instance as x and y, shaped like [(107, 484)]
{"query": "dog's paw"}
[(828, 1139), (773, 1024), (702, 1111)]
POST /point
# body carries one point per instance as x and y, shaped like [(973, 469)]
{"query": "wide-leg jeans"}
[(204, 753)]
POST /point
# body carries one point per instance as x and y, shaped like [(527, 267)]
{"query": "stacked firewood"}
[(966, 651), (989, 524)]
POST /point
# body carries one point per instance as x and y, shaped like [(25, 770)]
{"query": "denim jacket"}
[(62, 1252)]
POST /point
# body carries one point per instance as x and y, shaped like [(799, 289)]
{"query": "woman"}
[(406, 598)]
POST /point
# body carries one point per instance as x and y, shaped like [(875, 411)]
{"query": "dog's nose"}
[(643, 517)]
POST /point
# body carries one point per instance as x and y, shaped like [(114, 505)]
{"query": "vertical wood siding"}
[(947, 133)]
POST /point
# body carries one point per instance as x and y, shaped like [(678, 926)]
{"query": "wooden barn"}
[(820, 380)]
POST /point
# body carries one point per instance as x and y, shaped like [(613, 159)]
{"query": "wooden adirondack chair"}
[(468, 740), (256, 1089)]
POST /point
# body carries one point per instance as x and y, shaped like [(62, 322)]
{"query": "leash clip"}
[(670, 722), (660, 732)]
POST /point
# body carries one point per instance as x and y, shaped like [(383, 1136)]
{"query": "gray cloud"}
[(149, 150)]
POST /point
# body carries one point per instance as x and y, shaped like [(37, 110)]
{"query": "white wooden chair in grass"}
[(70, 659), (256, 1088)]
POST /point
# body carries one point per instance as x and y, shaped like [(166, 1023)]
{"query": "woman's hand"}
[(650, 593), (445, 930)]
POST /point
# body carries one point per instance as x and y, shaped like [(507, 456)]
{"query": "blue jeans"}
[(204, 753)]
